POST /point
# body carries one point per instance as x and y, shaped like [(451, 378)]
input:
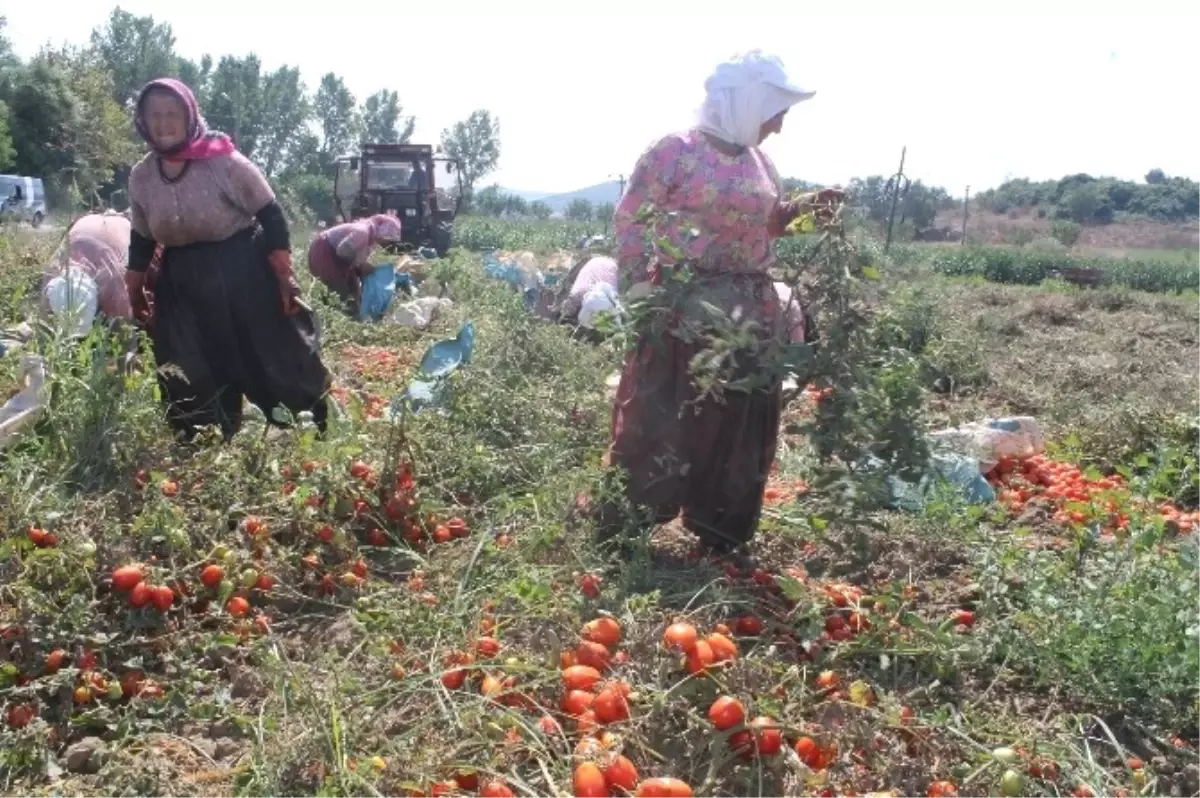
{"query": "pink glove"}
[(289, 289)]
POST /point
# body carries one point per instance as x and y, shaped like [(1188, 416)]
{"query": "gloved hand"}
[(289, 289), (139, 303), (640, 290), (821, 203)]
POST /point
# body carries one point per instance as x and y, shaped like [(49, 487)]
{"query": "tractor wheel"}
[(442, 233)]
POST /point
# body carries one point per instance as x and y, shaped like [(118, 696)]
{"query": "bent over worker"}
[(93, 255), (340, 255)]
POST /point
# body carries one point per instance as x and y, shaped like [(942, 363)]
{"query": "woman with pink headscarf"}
[(340, 255), (227, 321)]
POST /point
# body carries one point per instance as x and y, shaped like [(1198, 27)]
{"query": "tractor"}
[(423, 189)]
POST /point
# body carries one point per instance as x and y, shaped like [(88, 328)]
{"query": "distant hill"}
[(597, 195), (528, 196)]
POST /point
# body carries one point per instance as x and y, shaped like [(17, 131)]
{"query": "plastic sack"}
[(378, 291), (74, 299), (419, 313), (793, 313), (989, 440), (25, 407), (959, 471), (601, 298), (440, 360)]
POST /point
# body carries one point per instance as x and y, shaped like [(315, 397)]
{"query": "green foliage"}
[(1065, 232), (580, 210), (7, 152), (1032, 267), (917, 208), (1089, 200), (491, 201), (134, 50), (482, 233), (475, 142), (336, 116), (1112, 625), (381, 119), (44, 114)]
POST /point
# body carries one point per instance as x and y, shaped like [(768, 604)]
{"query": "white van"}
[(22, 199)]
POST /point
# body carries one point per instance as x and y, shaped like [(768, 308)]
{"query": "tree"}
[(475, 143), (335, 108), (488, 202), (7, 153), (304, 156), (381, 119), (605, 211), (286, 111), (102, 141), (235, 101), (1086, 203), (197, 76), (1156, 177), (580, 210), (540, 210), (44, 114), (7, 57), (134, 50)]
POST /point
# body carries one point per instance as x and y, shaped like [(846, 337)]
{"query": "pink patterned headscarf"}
[(385, 227), (201, 143)]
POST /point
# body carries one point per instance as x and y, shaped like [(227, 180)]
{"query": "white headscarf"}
[(743, 93)]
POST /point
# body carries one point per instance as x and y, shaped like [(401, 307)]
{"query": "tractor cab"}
[(423, 190)]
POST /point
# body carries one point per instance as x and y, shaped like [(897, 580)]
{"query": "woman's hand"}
[(822, 204), (640, 290), (289, 289), (139, 303)]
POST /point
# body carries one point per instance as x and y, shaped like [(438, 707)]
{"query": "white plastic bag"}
[(24, 408), (989, 440), (73, 299), (419, 313), (600, 298)]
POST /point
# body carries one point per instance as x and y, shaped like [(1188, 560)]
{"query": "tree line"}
[(65, 116), (1084, 199)]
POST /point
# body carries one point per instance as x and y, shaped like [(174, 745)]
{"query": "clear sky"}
[(1020, 88)]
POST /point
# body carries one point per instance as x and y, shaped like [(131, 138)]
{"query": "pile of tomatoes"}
[(1075, 498)]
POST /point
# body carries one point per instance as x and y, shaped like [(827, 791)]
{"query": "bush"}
[(1065, 232), (1032, 266)]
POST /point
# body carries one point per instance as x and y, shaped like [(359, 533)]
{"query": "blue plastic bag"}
[(378, 291), (958, 471), (440, 360)]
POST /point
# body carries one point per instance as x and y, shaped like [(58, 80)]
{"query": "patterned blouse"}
[(210, 201), (725, 207)]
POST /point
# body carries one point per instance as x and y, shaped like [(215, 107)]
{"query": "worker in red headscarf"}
[(340, 255)]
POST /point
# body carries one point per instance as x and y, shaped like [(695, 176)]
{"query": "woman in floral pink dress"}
[(705, 458)]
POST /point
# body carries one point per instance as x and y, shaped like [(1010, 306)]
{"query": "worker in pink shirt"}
[(340, 255)]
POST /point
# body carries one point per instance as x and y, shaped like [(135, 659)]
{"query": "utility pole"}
[(966, 205), (620, 194), (899, 184)]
